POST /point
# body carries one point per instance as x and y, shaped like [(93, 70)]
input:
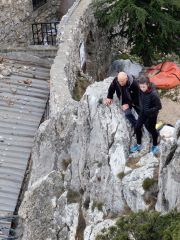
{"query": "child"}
[(150, 105)]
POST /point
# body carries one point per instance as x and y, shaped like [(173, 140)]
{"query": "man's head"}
[(122, 78)]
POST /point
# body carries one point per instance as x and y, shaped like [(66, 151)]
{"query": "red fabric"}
[(148, 90), (165, 75)]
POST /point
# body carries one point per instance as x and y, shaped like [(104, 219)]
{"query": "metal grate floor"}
[(24, 91)]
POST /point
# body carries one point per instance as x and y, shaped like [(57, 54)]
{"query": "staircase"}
[(24, 91)]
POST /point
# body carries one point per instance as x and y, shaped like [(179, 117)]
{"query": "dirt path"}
[(170, 111)]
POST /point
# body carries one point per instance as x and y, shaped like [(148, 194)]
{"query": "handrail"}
[(7, 233)]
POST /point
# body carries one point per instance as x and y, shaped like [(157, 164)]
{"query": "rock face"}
[(87, 147), (82, 175), (40, 206), (89, 142), (134, 193), (125, 65), (169, 175)]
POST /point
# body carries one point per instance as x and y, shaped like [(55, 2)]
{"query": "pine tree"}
[(150, 26)]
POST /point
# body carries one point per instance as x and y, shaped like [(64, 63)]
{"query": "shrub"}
[(73, 196), (121, 175), (147, 183), (97, 205), (144, 226)]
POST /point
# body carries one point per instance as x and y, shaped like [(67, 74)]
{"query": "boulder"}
[(127, 66), (169, 174)]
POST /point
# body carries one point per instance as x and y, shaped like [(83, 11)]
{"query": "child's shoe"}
[(155, 150), (135, 148)]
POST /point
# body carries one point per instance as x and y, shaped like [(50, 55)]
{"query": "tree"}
[(150, 26)]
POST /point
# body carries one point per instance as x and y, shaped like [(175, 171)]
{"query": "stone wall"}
[(16, 18), (65, 5), (83, 49)]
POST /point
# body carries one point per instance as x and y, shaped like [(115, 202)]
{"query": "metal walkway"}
[(24, 91)]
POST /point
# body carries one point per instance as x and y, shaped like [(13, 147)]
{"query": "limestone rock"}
[(169, 174), (66, 217), (53, 142), (87, 144), (38, 207), (132, 184), (84, 147), (125, 65), (92, 231)]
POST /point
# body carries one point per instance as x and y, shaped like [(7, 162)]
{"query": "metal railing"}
[(44, 33), (38, 3), (7, 232)]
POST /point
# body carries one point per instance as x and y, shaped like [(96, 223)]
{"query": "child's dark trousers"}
[(150, 124)]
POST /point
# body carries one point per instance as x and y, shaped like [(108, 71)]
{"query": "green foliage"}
[(73, 196), (150, 26), (99, 165), (132, 57), (145, 226), (147, 183), (97, 205), (121, 175)]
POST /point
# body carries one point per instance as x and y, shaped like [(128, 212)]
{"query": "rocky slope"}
[(83, 176)]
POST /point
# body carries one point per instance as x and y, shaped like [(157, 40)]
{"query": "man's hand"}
[(108, 101), (125, 107)]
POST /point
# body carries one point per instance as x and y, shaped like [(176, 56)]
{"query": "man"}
[(127, 90)]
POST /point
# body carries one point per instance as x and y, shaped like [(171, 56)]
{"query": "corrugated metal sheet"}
[(23, 97)]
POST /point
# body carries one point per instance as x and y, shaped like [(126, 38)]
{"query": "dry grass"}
[(80, 88), (132, 162), (66, 163), (73, 196)]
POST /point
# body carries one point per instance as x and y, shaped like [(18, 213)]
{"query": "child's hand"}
[(125, 107)]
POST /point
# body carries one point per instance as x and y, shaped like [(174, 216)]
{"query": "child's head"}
[(144, 83)]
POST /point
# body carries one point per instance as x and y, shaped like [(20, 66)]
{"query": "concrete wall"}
[(16, 18)]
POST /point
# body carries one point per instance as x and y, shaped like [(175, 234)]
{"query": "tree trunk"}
[(146, 57)]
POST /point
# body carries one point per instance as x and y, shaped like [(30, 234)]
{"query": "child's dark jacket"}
[(149, 102)]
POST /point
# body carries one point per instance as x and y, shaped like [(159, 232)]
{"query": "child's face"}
[(143, 87)]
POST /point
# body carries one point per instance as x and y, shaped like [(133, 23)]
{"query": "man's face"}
[(122, 80)]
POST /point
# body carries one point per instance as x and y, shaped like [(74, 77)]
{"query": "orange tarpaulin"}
[(165, 75)]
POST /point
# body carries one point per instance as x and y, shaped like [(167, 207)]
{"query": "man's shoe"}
[(154, 150), (135, 148)]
